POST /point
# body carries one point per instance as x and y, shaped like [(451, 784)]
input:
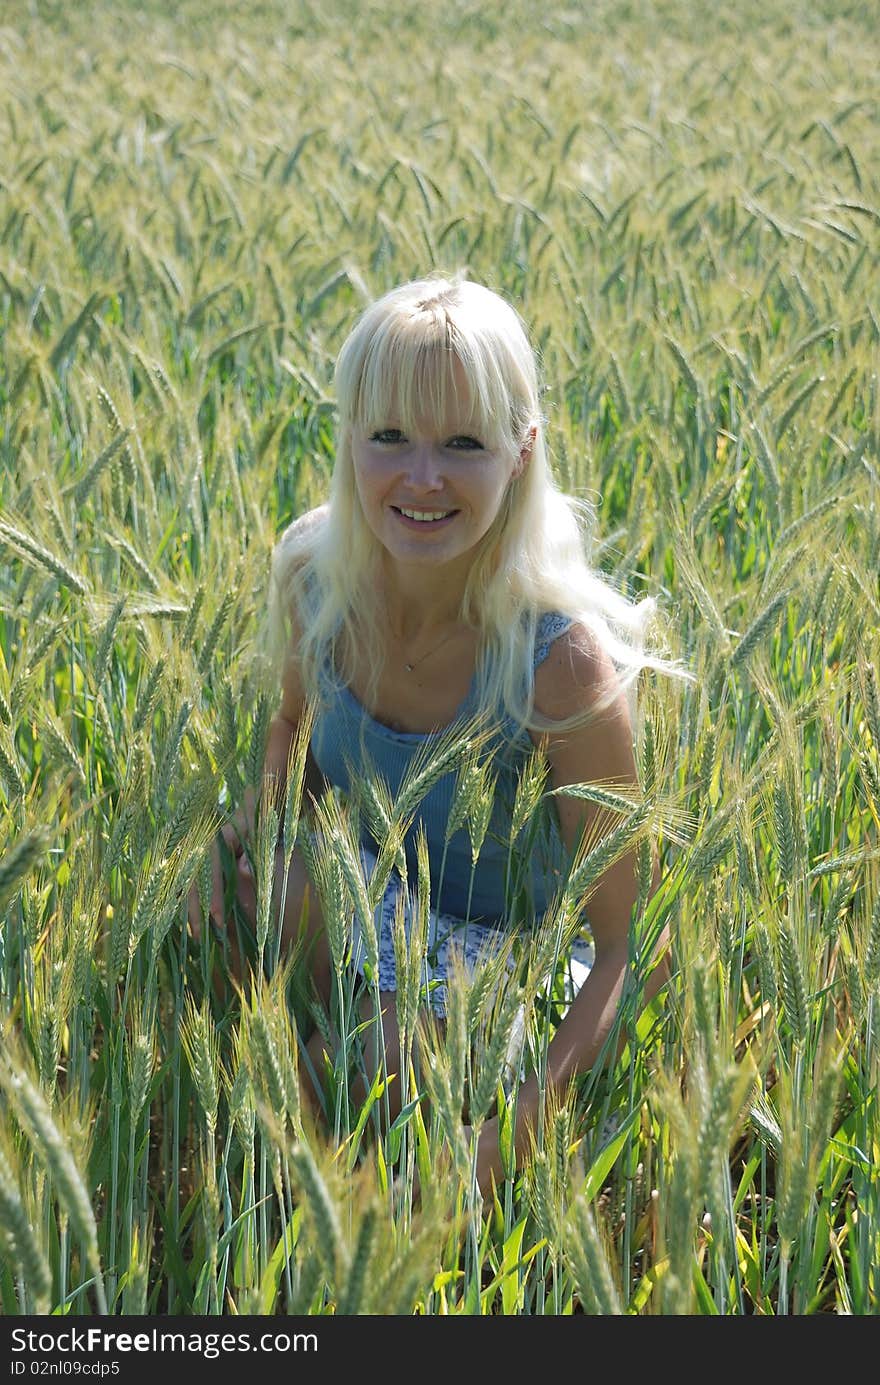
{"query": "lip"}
[(427, 525)]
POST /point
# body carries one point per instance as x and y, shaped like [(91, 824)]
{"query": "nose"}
[(424, 471)]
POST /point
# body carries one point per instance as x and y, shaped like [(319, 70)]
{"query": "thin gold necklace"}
[(411, 666)]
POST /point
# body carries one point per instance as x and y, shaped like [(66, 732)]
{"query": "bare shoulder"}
[(313, 518), (300, 534), (576, 675), (292, 550)]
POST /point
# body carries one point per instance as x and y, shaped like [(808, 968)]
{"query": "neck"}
[(419, 601)]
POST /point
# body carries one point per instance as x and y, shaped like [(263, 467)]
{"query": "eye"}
[(387, 436), (463, 442)]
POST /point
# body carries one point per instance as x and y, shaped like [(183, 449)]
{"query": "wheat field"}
[(195, 203)]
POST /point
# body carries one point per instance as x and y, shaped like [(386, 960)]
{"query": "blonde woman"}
[(446, 578)]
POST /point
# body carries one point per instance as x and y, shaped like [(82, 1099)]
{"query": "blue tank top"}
[(346, 735)]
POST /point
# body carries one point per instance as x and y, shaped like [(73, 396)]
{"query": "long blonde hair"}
[(533, 558)]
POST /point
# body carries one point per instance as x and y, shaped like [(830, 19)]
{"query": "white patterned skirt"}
[(474, 944)]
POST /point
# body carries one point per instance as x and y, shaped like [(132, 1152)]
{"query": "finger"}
[(246, 892), (232, 836), (194, 912), (217, 911)]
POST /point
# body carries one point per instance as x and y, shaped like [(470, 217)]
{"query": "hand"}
[(238, 831), (235, 834), (489, 1165)]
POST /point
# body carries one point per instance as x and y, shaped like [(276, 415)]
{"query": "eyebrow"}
[(475, 434)]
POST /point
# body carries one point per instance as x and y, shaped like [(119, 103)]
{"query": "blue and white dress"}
[(472, 908)]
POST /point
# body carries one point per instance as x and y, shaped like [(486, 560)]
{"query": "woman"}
[(444, 579)]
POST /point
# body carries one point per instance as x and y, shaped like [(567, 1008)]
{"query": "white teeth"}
[(424, 515)]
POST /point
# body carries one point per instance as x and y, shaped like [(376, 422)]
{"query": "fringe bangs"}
[(416, 373)]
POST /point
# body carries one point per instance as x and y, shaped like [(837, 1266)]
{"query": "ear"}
[(526, 451)]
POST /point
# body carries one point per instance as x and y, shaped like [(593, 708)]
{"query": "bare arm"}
[(237, 832), (281, 736), (283, 727), (282, 732), (293, 698), (575, 675)]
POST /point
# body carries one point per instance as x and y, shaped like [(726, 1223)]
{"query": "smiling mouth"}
[(425, 519)]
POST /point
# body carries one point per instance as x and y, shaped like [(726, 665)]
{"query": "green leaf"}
[(11, 1307), (706, 1302), (395, 1134), (277, 1260), (370, 1100), (607, 1157), (173, 1262), (511, 1289)]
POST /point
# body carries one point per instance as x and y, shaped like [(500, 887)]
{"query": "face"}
[(430, 494)]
